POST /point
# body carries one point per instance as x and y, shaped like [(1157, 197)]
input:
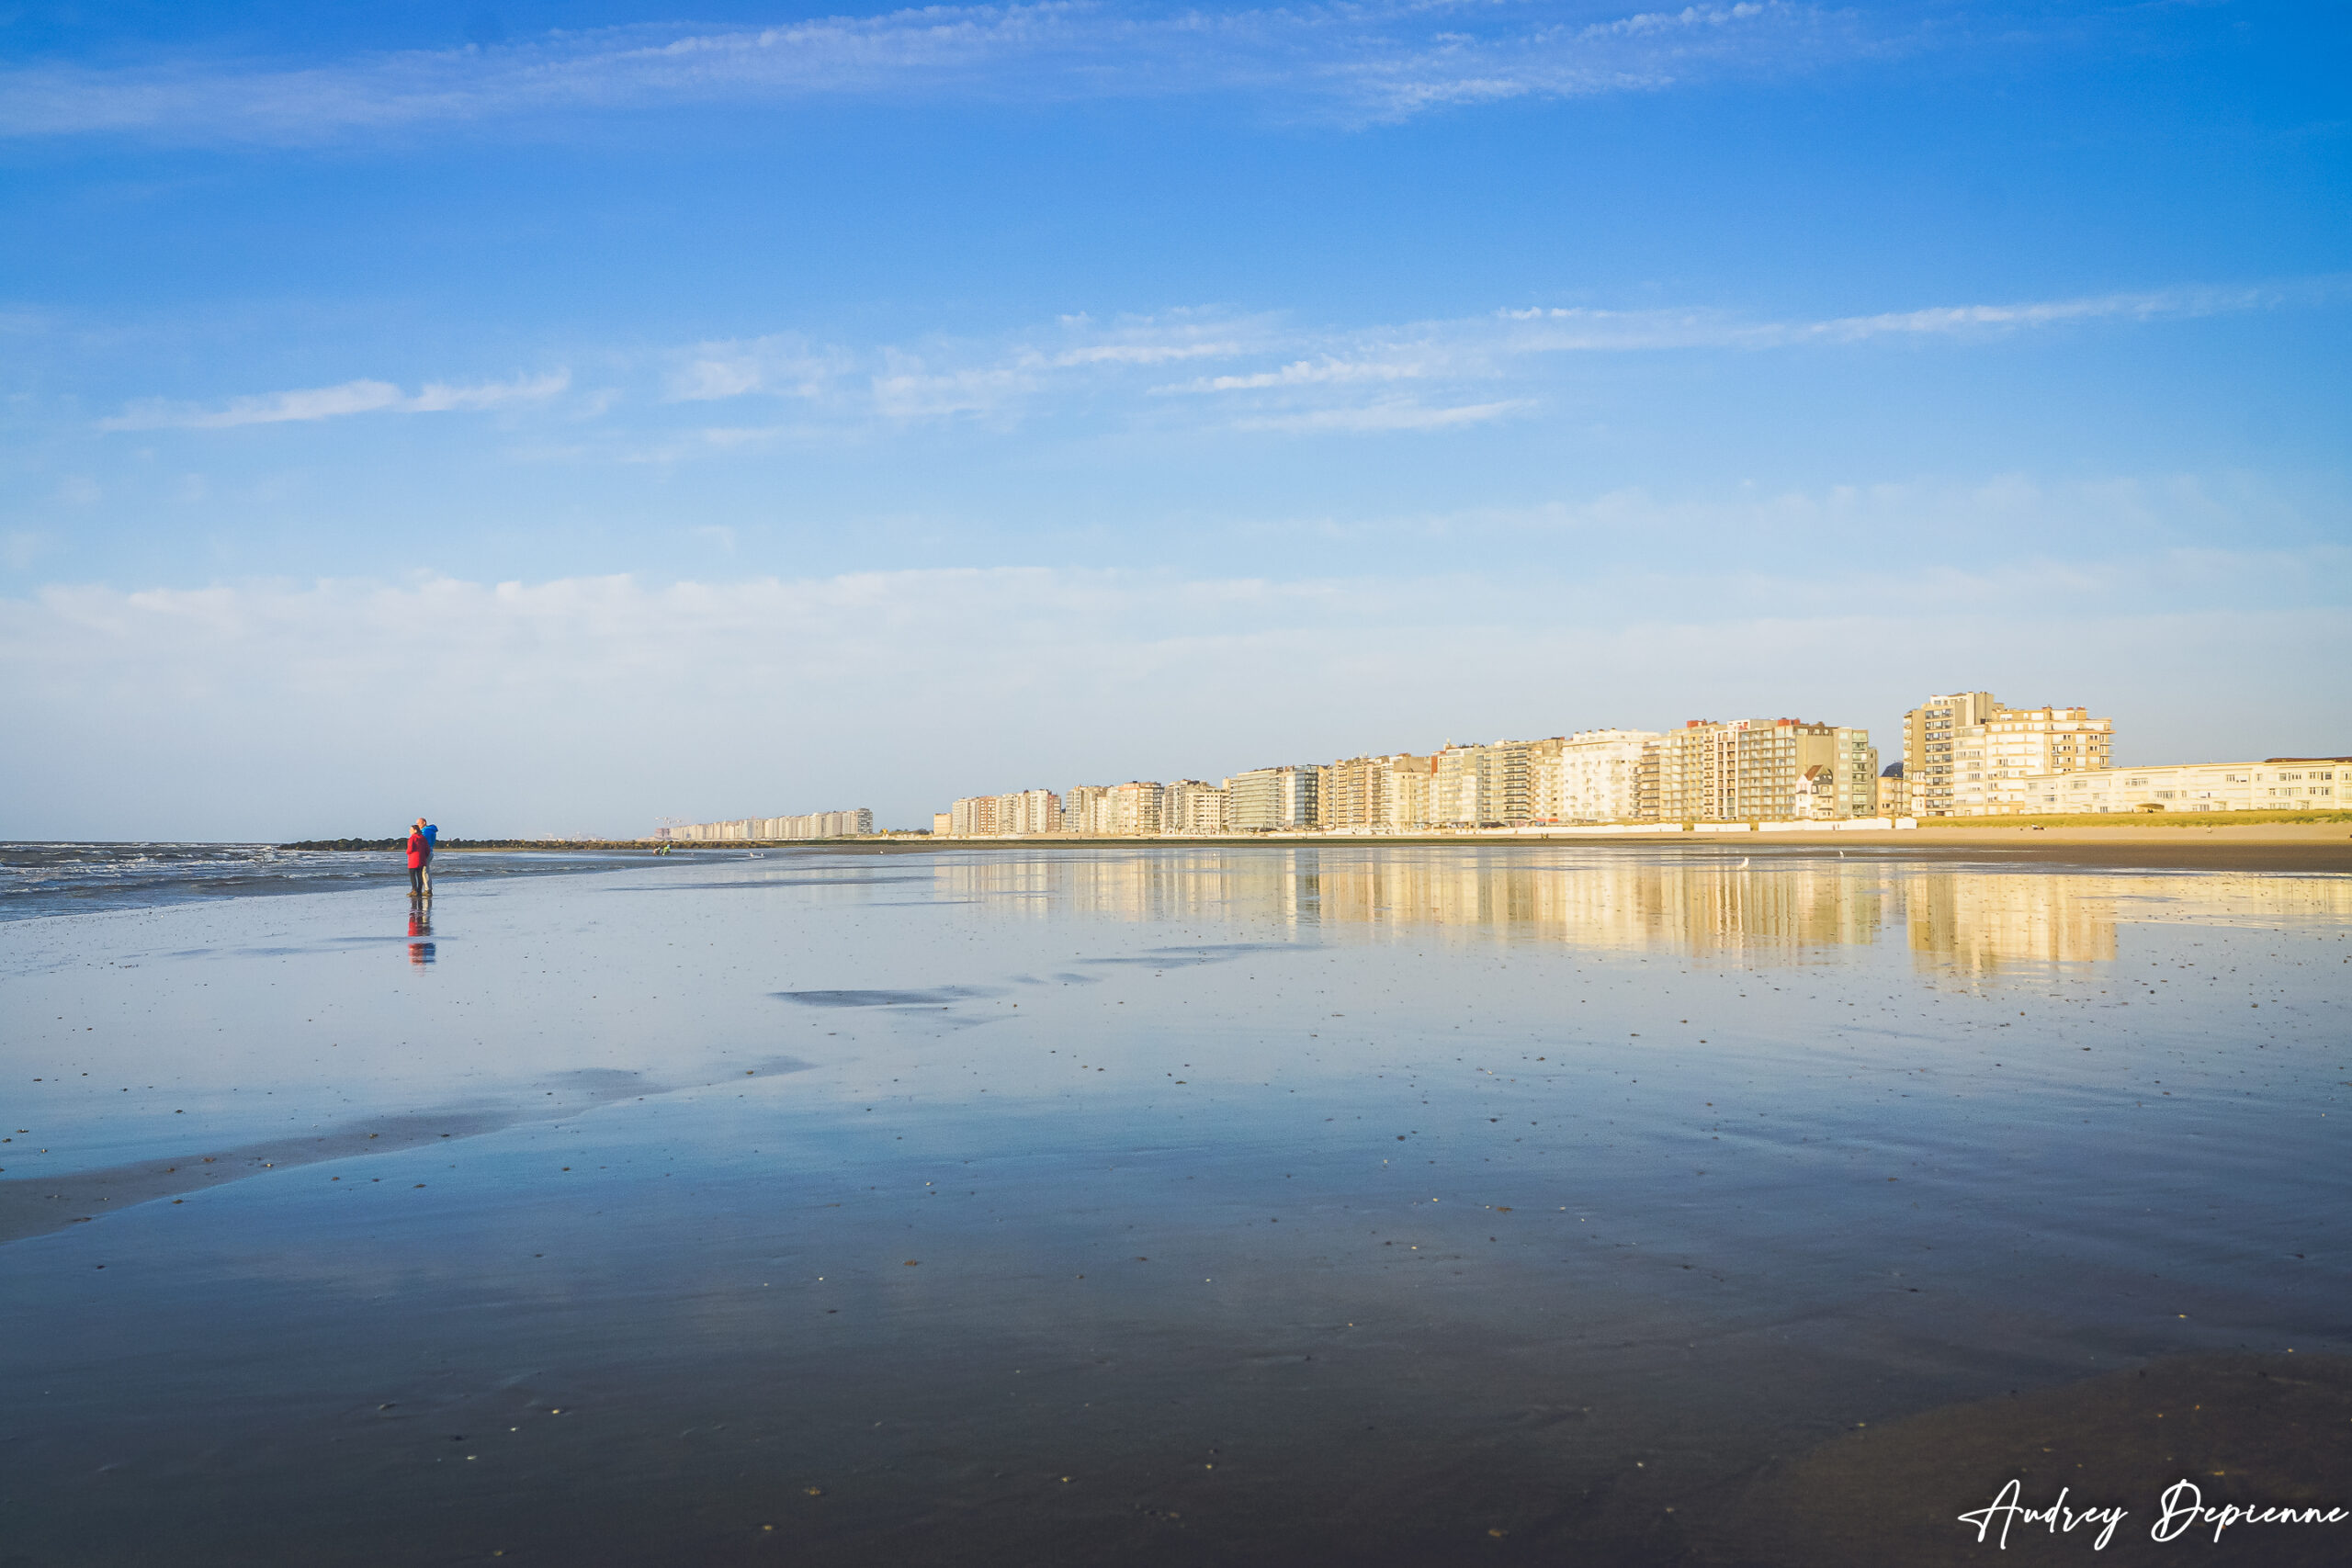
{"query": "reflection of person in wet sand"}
[(419, 885), (420, 926)]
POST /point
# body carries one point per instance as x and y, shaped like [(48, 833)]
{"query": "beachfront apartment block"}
[(1029, 811), (1350, 791), (1963, 752), (2277, 784), (1191, 807), (1474, 786), (1594, 776), (1137, 808), (1992, 759), (1748, 769), (1273, 799), (985, 816), (1762, 770), (1084, 811), (1543, 778), (1927, 743), (1389, 791), (743, 830), (1101, 811), (1132, 808)]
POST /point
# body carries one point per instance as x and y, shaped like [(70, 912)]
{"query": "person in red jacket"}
[(416, 852)]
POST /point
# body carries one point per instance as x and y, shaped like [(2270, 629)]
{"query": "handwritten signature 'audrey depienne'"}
[(2182, 1508)]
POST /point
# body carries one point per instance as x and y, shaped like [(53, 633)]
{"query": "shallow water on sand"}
[(1254, 1205), (37, 879)]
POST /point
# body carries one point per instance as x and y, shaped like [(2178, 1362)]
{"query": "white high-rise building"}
[(1386, 792), (1994, 758), (1192, 805), (1133, 809), (1264, 799), (1927, 738), (1597, 774), (1763, 770), (972, 817), (811, 825), (1475, 784), (1029, 811), (1084, 811)]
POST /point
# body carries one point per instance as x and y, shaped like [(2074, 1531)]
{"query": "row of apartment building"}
[(1744, 770), (1964, 754), (1967, 754), (811, 825), (2276, 784)]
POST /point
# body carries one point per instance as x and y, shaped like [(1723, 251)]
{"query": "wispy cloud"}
[(1258, 372), (1272, 373), (784, 365), (1324, 372), (1383, 416), (335, 402), (1564, 330), (1381, 61)]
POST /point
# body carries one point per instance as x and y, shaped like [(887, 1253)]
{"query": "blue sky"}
[(560, 416)]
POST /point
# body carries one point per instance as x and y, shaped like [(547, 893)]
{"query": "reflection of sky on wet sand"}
[(1430, 1187)]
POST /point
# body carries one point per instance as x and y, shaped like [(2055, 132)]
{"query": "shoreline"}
[(2269, 847)]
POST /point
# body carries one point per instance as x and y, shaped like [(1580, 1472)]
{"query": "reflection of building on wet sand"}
[(1704, 908), (1973, 919), (1982, 920), (1173, 885), (1701, 909)]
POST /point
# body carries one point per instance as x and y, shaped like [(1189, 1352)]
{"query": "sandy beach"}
[(2262, 846)]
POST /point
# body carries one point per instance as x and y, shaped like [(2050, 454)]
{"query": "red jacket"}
[(415, 849)]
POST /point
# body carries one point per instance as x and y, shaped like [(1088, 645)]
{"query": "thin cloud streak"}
[(1386, 416), (1354, 63), (1570, 329), (335, 402), (1314, 381), (1327, 379)]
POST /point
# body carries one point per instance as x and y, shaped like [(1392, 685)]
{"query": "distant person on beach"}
[(432, 843), (417, 851)]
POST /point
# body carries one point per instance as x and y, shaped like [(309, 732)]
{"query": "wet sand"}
[(75, 1198), (2255, 1431), (1357, 1204), (2275, 847), (2279, 847)]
